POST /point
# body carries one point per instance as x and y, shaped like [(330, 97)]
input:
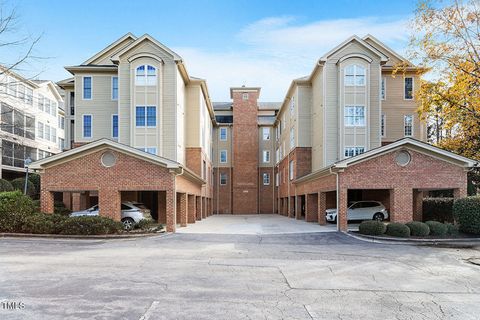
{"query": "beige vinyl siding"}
[(101, 106), (104, 59), (304, 111), (180, 119), (222, 145), (394, 107), (266, 145), (192, 132), (317, 124)]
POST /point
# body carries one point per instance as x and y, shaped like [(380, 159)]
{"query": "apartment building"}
[(150, 124), (32, 121), (141, 128)]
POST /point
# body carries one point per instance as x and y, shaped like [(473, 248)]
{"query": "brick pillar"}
[(75, 201), (198, 205), (460, 193), (291, 207), (109, 203), (47, 201), (191, 208), (342, 209), (67, 200), (162, 207), (322, 206), (402, 209), (84, 200), (298, 207), (311, 210), (171, 210), (417, 205), (204, 207), (182, 209)]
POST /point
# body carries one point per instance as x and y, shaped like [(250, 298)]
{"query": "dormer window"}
[(146, 75), (354, 75)]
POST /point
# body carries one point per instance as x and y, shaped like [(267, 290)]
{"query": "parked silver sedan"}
[(132, 213), (361, 210)]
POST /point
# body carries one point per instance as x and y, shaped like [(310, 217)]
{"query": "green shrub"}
[(5, 185), (144, 224), (14, 209), (372, 228), (90, 226), (36, 204), (452, 230), (19, 184), (398, 230), (38, 223), (437, 228), (467, 214), (418, 229), (59, 208), (438, 209), (35, 179)]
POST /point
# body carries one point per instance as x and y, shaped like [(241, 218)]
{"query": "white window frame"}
[(83, 126), (355, 75), (405, 125), (413, 88), (354, 116), (113, 98), (292, 138), (268, 133), (118, 124), (245, 96), (292, 107), (220, 156), (220, 178), (146, 84), (383, 88), (220, 134), (266, 178), (355, 149), (266, 156), (83, 91), (277, 179), (383, 125)]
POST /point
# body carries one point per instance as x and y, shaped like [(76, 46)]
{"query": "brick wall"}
[(265, 192)]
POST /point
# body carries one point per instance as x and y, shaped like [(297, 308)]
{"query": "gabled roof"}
[(110, 47), (104, 142), (415, 144), (361, 42), (143, 38), (386, 48)]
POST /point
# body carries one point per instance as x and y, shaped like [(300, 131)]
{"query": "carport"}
[(397, 175), (121, 173)]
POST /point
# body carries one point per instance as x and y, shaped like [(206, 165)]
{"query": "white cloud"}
[(273, 51)]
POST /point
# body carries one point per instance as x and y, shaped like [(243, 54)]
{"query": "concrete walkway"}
[(257, 224)]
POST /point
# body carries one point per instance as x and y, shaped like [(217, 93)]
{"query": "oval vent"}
[(108, 159), (403, 158)]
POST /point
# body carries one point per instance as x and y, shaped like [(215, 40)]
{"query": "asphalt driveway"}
[(223, 276)]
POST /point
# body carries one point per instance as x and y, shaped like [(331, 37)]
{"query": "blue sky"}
[(228, 43)]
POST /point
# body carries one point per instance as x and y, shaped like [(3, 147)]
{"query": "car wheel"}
[(378, 216), (128, 224)]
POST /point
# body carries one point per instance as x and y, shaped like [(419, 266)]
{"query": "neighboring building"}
[(32, 121), (143, 129)]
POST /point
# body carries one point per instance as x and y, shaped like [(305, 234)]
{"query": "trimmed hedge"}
[(452, 230), (467, 214), (398, 230), (372, 228), (438, 209), (90, 226), (14, 210), (35, 179), (19, 184), (437, 228), (5, 185), (418, 229)]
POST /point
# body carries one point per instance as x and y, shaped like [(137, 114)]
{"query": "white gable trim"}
[(360, 41), (116, 57), (113, 45)]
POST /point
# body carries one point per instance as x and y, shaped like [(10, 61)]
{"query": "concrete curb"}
[(391, 240), (85, 237)]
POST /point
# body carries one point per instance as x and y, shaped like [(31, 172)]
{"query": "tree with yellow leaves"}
[(446, 39)]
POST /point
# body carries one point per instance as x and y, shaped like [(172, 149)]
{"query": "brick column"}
[(291, 207), (460, 193), (198, 205), (171, 206), (322, 206), (182, 209), (162, 207), (311, 210), (84, 200), (75, 201), (417, 205), (298, 207), (47, 204), (109, 203), (67, 200), (402, 210), (204, 208), (342, 209), (191, 208)]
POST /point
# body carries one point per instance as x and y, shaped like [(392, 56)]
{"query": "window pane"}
[(115, 88), (408, 88), (115, 126), (87, 87), (87, 126), (151, 116), (140, 116)]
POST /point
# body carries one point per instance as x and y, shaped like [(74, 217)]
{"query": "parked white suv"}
[(132, 213), (361, 210)]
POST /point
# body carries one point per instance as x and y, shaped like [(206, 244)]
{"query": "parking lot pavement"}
[(220, 276)]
